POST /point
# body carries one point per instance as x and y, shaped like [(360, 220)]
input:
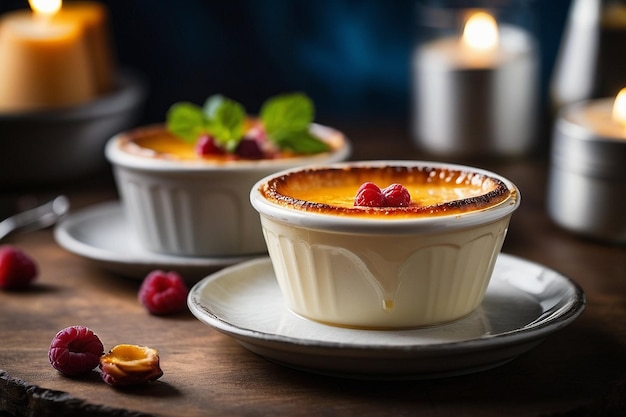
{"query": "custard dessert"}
[(388, 244), (185, 184), (433, 191), (157, 142)]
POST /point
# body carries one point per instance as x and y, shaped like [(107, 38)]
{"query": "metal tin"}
[(587, 182), (468, 102)]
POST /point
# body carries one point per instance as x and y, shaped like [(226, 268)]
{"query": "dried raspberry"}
[(17, 269), (206, 145), (163, 292), (396, 195), (75, 350), (370, 195)]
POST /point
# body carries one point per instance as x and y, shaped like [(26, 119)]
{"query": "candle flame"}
[(481, 32), (619, 108), (45, 7)]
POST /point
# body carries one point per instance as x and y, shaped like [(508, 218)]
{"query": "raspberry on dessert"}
[(163, 292), (249, 148), (130, 365), (17, 269), (367, 185), (206, 145), (369, 195), (396, 195), (75, 350)]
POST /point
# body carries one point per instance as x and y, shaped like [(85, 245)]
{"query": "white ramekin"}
[(387, 272), (200, 208)]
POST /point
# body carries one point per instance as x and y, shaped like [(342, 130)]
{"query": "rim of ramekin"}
[(401, 225), (124, 159)]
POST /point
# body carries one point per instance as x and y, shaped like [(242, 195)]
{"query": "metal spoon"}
[(36, 218)]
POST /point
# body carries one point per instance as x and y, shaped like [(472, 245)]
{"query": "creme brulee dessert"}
[(157, 142), (432, 191), (222, 131), (389, 244), (185, 184)]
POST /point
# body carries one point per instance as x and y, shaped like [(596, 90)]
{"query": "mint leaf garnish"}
[(287, 112), (225, 120), (211, 104), (287, 118), (301, 141), (186, 120)]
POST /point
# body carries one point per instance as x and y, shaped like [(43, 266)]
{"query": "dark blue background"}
[(350, 56)]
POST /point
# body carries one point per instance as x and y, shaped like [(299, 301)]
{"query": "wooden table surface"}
[(578, 371)]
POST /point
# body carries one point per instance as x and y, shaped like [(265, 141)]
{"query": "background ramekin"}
[(384, 273), (200, 209)]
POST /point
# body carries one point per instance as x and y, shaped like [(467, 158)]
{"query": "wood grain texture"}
[(578, 371)]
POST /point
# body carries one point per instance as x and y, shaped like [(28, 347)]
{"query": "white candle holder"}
[(473, 100)]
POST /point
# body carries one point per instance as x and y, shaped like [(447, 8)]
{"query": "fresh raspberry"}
[(249, 148), (17, 269), (75, 350), (163, 292), (396, 195), (206, 145), (370, 195)]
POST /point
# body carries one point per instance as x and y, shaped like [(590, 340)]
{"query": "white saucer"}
[(525, 302), (101, 234)]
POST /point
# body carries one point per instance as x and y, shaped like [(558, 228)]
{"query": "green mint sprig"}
[(220, 117), (286, 119)]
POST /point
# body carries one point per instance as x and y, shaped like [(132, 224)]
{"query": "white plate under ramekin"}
[(101, 234), (525, 302)]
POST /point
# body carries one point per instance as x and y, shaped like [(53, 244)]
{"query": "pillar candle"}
[(61, 60), (94, 18), (473, 100), (44, 64)]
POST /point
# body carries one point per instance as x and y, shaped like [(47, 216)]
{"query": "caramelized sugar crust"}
[(434, 191)]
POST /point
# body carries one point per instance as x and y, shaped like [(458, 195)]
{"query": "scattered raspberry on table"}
[(75, 350), (163, 292), (17, 269)]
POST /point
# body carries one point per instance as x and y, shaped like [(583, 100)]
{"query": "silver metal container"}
[(587, 182), (469, 100), (586, 65)]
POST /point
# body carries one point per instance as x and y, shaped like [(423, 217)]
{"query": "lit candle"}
[(52, 57), (619, 110), (477, 94), (94, 18), (480, 33), (587, 183), (601, 118)]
